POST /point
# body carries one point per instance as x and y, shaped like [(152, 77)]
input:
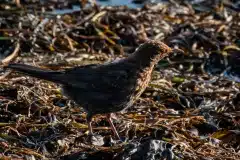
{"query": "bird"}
[(105, 88)]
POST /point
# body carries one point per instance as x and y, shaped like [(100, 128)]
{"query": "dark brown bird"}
[(106, 88)]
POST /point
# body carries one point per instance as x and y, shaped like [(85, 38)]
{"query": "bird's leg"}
[(89, 122), (112, 126)]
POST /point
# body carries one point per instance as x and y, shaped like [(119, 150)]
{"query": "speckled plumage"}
[(106, 88)]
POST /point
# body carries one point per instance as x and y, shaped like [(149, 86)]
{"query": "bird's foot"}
[(109, 116)]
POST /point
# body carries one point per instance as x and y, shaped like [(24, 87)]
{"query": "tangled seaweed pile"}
[(191, 109)]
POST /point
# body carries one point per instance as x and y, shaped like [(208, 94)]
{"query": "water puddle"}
[(128, 3)]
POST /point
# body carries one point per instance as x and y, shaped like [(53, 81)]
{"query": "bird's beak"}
[(178, 51)]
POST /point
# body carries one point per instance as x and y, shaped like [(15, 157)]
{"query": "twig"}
[(11, 56)]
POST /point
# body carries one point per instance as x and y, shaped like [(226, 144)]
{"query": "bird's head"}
[(150, 52)]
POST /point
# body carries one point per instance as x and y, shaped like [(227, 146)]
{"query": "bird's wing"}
[(99, 77)]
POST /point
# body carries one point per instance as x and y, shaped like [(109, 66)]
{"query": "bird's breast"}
[(144, 78)]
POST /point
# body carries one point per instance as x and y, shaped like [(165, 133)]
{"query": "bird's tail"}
[(53, 76)]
